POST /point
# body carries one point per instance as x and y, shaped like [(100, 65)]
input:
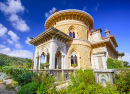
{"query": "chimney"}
[(107, 32)]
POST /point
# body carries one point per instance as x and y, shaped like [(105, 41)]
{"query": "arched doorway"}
[(58, 60)]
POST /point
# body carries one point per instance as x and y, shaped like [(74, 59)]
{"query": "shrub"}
[(118, 63), (123, 81), (83, 82), (86, 76), (29, 88), (16, 72), (25, 78), (3, 76), (111, 64), (47, 85)]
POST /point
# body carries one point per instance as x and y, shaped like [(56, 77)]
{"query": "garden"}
[(25, 81)]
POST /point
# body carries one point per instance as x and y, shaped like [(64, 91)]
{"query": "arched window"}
[(70, 34), (74, 58), (73, 35)]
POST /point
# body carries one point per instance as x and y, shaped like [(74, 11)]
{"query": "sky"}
[(21, 19)]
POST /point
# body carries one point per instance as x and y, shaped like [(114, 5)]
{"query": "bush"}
[(123, 81), (29, 88), (111, 64), (47, 85), (86, 76), (16, 72), (3, 76), (83, 82), (118, 63), (25, 78)]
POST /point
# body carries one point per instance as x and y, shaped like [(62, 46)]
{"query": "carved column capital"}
[(62, 56)]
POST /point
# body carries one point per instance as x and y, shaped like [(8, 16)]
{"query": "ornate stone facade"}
[(70, 40)]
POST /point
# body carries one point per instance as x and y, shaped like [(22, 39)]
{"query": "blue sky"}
[(20, 20)]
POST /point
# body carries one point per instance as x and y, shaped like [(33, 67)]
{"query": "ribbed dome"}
[(70, 14)]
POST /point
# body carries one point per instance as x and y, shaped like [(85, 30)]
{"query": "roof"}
[(71, 14), (112, 37), (50, 33)]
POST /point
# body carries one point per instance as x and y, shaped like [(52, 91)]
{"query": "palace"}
[(70, 40)]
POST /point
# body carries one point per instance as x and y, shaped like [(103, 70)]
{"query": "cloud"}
[(4, 50), (2, 46), (126, 57), (14, 39), (11, 8), (18, 23), (18, 46), (16, 53), (47, 14), (96, 8), (13, 36), (27, 40), (84, 8), (3, 30), (10, 41)]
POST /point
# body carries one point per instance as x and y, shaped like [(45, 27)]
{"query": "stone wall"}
[(81, 30), (83, 50)]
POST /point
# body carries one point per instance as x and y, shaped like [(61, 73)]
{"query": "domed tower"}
[(64, 43), (75, 23)]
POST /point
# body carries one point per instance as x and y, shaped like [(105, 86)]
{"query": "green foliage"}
[(10, 87), (47, 85), (46, 63), (31, 37), (125, 63), (80, 76), (14, 61), (25, 78), (123, 81), (29, 88), (16, 72), (42, 66), (111, 64), (83, 82), (11, 61), (118, 63)]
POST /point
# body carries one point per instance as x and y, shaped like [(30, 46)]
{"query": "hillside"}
[(9, 61)]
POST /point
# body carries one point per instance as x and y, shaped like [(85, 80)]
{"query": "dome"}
[(70, 14)]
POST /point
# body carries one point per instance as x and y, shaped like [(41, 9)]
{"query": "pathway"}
[(5, 91)]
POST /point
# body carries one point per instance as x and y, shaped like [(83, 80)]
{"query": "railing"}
[(59, 74)]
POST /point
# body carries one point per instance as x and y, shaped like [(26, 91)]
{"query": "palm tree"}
[(33, 53)]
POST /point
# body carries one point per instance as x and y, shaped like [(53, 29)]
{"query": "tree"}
[(125, 63), (33, 52)]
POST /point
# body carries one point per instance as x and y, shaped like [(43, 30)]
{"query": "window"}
[(73, 35), (74, 58), (70, 34)]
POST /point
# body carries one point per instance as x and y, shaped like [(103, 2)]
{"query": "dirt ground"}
[(5, 91)]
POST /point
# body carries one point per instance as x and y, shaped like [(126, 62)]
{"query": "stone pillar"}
[(62, 62), (39, 62), (52, 55), (45, 58)]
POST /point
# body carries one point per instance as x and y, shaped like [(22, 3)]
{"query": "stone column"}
[(39, 62), (45, 58), (52, 55), (62, 61), (36, 63)]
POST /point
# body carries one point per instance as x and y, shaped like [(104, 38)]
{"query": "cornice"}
[(70, 14)]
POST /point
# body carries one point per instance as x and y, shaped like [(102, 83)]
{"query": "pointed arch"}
[(72, 31)]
